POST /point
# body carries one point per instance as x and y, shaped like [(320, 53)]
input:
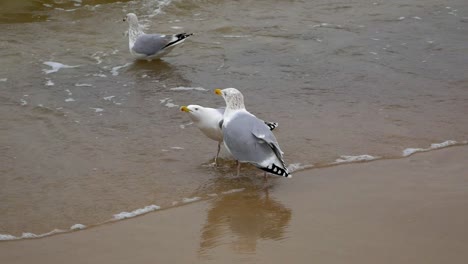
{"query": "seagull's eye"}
[(196, 108)]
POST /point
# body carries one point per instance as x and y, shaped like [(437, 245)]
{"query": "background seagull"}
[(149, 46), (209, 121), (247, 138)]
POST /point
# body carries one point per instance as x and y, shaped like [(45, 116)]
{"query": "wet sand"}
[(409, 210)]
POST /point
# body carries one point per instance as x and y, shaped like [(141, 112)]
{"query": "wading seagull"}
[(247, 138), (209, 121), (149, 46)]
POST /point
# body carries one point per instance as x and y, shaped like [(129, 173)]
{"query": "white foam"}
[(178, 148), (401, 18), (190, 200), (140, 211), (99, 75), (29, 235), (416, 17), (108, 98), (7, 237), (69, 100), (68, 92), (23, 102), (56, 66), (181, 88), (347, 159), (3, 79), (83, 85), (98, 58), (66, 10), (410, 151), (96, 109), (298, 166), (234, 191), (160, 5), (115, 70), (443, 144), (170, 105), (176, 27), (77, 227), (235, 36), (168, 102)]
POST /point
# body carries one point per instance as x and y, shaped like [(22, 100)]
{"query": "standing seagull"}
[(247, 137), (149, 46), (209, 121)]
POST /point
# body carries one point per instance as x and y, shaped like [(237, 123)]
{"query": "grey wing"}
[(150, 44), (243, 138), (262, 131)]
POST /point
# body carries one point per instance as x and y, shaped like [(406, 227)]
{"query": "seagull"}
[(247, 138), (150, 46), (209, 121)]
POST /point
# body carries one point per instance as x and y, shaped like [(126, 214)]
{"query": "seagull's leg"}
[(217, 154), (265, 176), (238, 168)]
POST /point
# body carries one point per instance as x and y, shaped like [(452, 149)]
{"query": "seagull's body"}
[(150, 46), (209, 121), (247, 138)]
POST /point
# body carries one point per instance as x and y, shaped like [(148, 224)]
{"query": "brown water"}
[(340, 78)]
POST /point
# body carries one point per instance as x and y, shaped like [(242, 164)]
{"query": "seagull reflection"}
[(241, 219)]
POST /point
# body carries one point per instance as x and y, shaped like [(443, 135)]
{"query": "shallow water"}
[(81, 144)]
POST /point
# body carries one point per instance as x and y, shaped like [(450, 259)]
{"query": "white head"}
[(195, 112), (234, 99), (131, 19), (202, 114), (206, 119)]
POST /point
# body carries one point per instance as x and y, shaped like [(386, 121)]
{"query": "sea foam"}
[(115, 70), (410, 151), (77, 227), (29, 235), (359, 158), (56, 66), (140, 211), (190, 200), (181, 88), (298, 167)]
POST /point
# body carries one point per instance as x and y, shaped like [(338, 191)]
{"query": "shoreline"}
[(410, 210), (294, 167)]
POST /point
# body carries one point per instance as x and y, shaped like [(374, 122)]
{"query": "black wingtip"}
[(179, 37), (183, 35), (271, 125), (276, 170)]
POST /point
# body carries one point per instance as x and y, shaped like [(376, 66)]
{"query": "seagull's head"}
[(131, 18), (195, 112), (234, 99)]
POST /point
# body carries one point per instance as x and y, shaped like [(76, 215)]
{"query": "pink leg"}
[(217, 154)]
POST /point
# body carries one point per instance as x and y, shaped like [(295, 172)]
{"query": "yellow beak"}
[(185, 109), (218, 92)]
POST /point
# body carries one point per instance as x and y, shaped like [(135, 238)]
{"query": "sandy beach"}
[(409, 210)]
